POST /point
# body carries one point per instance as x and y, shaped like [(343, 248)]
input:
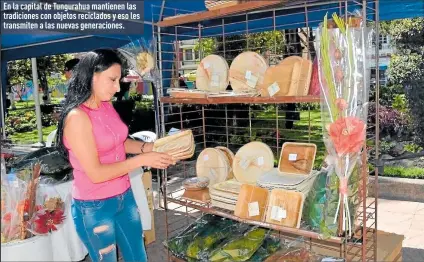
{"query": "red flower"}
[(347, 135), (7, 217), (47, 222)]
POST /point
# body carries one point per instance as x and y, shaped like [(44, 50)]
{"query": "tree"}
[(20, 71), (406, 66)]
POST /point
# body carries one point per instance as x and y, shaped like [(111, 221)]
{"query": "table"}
[(61, 245)]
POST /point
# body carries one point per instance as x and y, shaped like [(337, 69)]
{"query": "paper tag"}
[(248, 75), (173, 131), (278, 213), (253, 209), (260, 161), (252, 81), (215, 80), (292, 157), (273, 89), (244, 163), (206, 65), (206, 157)]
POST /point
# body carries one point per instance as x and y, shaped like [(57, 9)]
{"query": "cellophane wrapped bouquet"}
[(343, 57), (18, 202), (30, 205), (140, 56)]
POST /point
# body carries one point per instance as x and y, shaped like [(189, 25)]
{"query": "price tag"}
[(244, 163), (206, 157), (248, 75), (215, 80), (260, 161), (253, 209), (278, 213), (273, 89), (292, 157), (206, 65), (252, 81)]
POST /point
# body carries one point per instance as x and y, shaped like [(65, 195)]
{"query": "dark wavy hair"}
[(80, 85)]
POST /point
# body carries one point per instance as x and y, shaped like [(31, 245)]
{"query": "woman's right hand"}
[(157, 160)]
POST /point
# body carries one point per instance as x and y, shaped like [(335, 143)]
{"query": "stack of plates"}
[(275, 179), (213, 164), (180, 145), (225, 194)]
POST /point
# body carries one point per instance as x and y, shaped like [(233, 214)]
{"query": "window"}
[(189, 54), (383, 39)]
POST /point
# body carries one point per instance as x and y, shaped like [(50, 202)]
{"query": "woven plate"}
[(251, 161), (212, 163), (145, 62), (230, 156), (247, 72), (180, 145), (212, 74)]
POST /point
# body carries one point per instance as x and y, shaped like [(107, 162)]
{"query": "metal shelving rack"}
[(233, 121)]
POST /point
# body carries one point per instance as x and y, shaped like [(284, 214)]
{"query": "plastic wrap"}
[(320, 205), (53, 164), (50, 209), (344, 79), (140, 56), (240, 248), (270, 245), (178, 244), (18, 202), (207, 239), (298, 251)]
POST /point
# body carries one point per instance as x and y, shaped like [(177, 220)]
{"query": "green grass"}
[(30, 137), (403, 172), (31, 103)]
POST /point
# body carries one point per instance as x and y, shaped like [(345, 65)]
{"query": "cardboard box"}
[(149, 235)]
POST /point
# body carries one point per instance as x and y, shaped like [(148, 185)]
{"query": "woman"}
[(93, 137)]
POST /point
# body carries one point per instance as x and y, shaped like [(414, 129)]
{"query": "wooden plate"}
[(212, 163), (285, 208), (251, 203), (212, 74), (230, 156), (251, 161), (247, 72)]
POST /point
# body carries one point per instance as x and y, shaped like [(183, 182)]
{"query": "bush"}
[(397, 171), (20, 121), (392, 122)]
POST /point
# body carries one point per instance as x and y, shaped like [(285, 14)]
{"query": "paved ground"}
[(404, 218)]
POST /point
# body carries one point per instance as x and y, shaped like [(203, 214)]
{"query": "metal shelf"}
[(242, 100), (207, 208)]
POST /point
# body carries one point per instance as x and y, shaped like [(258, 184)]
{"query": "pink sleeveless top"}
[(110, 134)]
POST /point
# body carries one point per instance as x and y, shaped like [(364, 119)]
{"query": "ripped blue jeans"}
[(103, 224)]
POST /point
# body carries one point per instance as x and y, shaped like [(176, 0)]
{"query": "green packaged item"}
[(178, 244), (269, 246), (206, 240), (240, 248)]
